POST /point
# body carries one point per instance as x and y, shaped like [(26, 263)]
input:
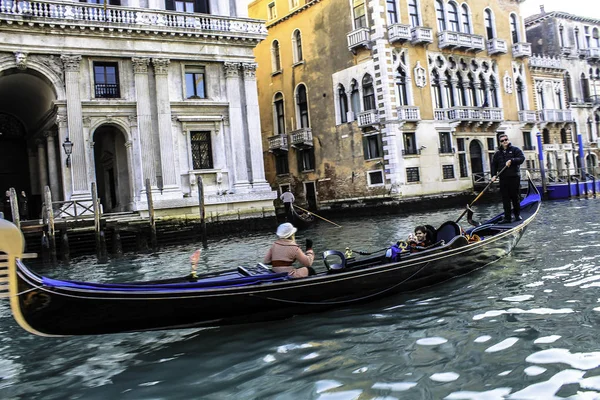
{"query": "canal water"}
[(526, 327)]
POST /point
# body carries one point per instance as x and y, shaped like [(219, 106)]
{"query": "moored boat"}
[(300, 220), (52, 307)]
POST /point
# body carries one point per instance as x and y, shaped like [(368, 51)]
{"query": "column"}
[(132, 178), (165, 135), (42, 165), (238, 143), (52, 163), (253, 124), (67, 176), (135, 157), (144, 120), (81, 187)]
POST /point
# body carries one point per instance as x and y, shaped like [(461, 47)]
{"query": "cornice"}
[(558, 14), (292, 13)]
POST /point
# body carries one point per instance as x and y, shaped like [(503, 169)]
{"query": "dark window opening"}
[(412, 174), (306, 160), (372, 147), (281, 164), (106, 80), (201, 150), (448, 171)]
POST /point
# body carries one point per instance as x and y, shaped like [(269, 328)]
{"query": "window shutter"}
[(170, 5), (312, 159), (299, 159), (379, 146), (365, 147), (201, 6)]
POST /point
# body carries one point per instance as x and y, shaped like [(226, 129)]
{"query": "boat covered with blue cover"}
[(53, 307)]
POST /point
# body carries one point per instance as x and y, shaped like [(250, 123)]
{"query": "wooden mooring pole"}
[(51, 230), (97, 222), (153, 241), (202, 212), (14, 208)]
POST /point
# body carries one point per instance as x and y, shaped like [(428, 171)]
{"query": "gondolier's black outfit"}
[(510, 179)]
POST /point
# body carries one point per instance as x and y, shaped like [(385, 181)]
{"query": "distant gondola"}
[(52, 307), (300, 221)]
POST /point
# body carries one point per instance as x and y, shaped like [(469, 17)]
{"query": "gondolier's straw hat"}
[(286, 230)]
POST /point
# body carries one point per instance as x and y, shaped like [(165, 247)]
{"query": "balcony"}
[(555, 116), (411, 152), (466, 41), (399, 33), (360, 37), (107, 91), (545, 62), (492, 115), (409, 113), (302, 138), (278, 143), (528, 147), (470, 114), (367, 118), (497, 46), (70, 15), (446, 150), (421, 35), (520, 50), (528, 116), (591, 54), (567, 50)]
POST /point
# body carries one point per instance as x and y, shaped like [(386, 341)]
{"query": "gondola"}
[(300, 221), (52, 307)]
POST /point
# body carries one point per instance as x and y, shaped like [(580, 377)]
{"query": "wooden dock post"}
[(14, 208), (117, 247), (153, 241), (51, 230), (65, 250), (202, 212), (97, 227)]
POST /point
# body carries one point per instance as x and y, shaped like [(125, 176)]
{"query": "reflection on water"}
[(523, 328)]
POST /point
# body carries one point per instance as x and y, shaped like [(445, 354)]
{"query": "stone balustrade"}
[(539, 61)]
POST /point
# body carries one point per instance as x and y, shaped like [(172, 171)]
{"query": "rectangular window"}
[(460, 143), (445, 143), (360, 17), (462, 164), (392, 12), (527, 141), (413, 12), (490, 144), (195, 84), (106, 80), (375, 178), (201, 150), (281, 164), (448, 171), (410, 143), (306, 160), (184, 6), (372, 146), (272, 11), (412, 174), (294, 3)]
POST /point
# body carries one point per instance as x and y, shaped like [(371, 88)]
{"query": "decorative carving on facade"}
[(226, 120), (249, 70), (49, 134), (129, 144), (86, 121), (140, 65), (21, 60), (71, 62), (61, 120), (161, 66), (420, 75), (52, 62), (508, 83), (132, 120), (232, 69)]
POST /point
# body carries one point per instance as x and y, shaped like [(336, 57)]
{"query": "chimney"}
[(542, 9)]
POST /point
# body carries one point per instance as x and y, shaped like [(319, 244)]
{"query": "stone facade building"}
[(153, 90), (367, 99), (566, 76)]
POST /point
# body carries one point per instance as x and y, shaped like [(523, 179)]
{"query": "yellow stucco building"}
[(365, 99)]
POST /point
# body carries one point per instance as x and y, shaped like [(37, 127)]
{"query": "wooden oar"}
[(318, 216), (480, 194)]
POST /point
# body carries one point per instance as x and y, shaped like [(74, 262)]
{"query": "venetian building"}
[(566, 76), (155, 90), (371, 99)]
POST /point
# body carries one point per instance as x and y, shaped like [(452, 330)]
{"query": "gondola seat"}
[(337, 267), (447, 231)]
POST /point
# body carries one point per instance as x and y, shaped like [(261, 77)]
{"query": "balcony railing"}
[(92, 15), (360, 37), (302, 138), (421, 34), (367, 118), (409, 113), (497, 46), (399, 33), (520, 50), (469, 114), (411, 152), (529, 147), (528, 116), (446, 150), (567, 50), (451, 39), (555, 116), (278, 143), (106, 91), (591, 54), (545, 62), (492, 114)]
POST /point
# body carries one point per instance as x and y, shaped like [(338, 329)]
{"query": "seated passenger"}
[(285, 251), (422, 239)]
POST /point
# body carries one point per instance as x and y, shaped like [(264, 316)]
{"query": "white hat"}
[(286, 230)]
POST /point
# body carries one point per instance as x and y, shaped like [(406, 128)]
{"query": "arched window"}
[(449, 89), (401, 84), (514, 28), (413, 13), (278, 111), (494, 92), (466, 19), (585, 87), (392, 11), (520, 94), (354, 98), (483, 90), (462, 91), (439, 12), (546, 136), (343, 103), (568, 87), (368, 93), (563, 136), (472, 92), (275, 57), (596, 37), (437, 89), (489, 24), (302, 103), (453, 17), (297, 46)]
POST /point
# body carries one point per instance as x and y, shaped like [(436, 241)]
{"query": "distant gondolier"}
[(287, 198), (510, 179)]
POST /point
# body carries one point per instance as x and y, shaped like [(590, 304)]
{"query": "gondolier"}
[(510, 180), (287, 198)]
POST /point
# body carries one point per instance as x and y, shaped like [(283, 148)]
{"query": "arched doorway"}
[(14, 160), (476, 157), (112, 172)]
